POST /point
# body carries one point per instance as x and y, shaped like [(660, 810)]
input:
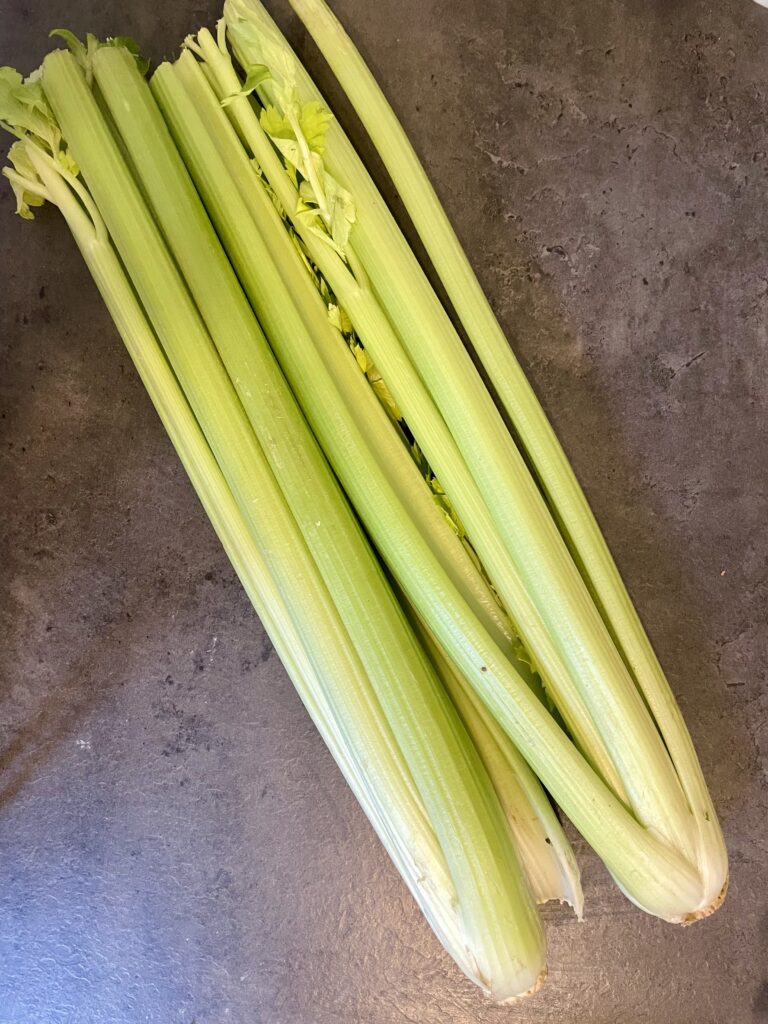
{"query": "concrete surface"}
[(175, 843)]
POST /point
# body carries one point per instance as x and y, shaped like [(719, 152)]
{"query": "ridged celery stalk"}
[(544, 849), (401, 826), (654, 874), (537, 438), (501, 933)]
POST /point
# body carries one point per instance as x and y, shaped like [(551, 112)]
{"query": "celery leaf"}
[(74, 45), (24, 111), (256, 74), (314, 120), (21, 177), (133, 48)]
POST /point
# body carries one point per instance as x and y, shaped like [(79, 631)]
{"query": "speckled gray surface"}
[(175, 843)]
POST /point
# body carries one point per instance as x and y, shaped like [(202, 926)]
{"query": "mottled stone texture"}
[(175, 842)]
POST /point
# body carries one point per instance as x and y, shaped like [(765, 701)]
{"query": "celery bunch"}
[(436, 586)]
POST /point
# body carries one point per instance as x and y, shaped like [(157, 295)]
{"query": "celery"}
[(499, 925), (300, 297)]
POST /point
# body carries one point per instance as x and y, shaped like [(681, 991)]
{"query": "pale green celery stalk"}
[(431, 888), (434, 438), (531, 817), (412, 305), (544, 849), (502, 932), (538, 439), (653, 875), (223, 155)]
